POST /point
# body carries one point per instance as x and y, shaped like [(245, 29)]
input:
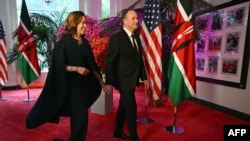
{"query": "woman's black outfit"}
[(68, 93)]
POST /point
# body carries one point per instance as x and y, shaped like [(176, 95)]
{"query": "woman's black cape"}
[(48, 107)]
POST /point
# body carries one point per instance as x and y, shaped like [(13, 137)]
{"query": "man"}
[(124, 69)]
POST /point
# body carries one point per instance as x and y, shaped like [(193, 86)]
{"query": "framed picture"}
[(230, 66), (212, 66), (217, 20), (200, 45), (235, 16), (215, 43), (202, 22), (232, 42), (200, 62), (222, 51)]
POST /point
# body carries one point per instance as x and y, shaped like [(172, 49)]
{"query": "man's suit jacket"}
[(124, 64)]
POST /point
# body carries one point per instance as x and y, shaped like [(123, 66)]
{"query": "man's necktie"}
[(134, 41)]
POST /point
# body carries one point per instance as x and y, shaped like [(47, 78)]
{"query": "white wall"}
[(232, 98), (117, 5)]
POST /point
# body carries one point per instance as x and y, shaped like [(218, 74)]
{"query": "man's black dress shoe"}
[(122, 135)]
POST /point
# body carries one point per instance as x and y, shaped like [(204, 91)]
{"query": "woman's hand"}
[(82, 70)]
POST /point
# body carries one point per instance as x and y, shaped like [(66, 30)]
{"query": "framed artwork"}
[(232, 42), (199, 63), (214, 43), (212, 66), (230, 66), (202, 22), (201, 43), (235, 17), (222, 51), (217, 20)]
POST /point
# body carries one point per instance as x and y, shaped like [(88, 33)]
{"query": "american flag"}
[(151, 38), (3, 56)]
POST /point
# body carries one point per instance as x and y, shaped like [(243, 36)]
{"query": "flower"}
[(99, 48), (93, 27), (60, 32), (98, 43)]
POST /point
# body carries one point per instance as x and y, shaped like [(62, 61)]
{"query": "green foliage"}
[(12, 55)]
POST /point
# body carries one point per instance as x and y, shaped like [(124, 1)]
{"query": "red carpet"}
[(200, 123)]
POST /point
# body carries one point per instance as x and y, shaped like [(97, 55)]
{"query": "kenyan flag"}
[(27, 61), (181, 73)]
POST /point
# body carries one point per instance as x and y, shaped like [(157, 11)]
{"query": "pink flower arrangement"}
[(98, 44), (93, 27), (99, 48), (60, 32)]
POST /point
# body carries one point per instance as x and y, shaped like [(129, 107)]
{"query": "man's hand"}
[(105, 89), (145, 84), (109, 89)]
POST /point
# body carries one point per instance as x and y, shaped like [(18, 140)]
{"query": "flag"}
[(27, 61), (3, 56), (151, 38), (182, 83)]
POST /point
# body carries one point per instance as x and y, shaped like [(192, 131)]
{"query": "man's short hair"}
[(125, 11)]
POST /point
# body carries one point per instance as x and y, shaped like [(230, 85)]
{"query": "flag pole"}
[(27, 59), (174, 129), (28, 99), (146, 119), (1, 98)]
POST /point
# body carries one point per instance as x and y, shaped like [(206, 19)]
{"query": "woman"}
[(73, 82)]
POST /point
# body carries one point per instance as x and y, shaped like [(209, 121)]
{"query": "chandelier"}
[(47, 1)]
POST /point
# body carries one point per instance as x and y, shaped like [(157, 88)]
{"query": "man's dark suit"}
[(124, 69)]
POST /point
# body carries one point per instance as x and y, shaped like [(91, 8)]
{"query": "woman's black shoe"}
[(122, 135)]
